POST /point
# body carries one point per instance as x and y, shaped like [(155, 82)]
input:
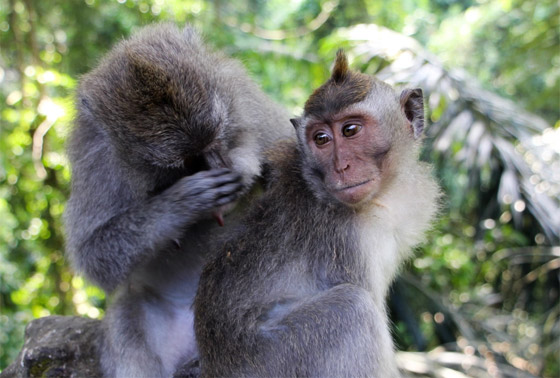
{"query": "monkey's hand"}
[(203, 194)]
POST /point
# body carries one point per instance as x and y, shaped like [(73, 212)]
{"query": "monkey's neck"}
[(396, 222), (366, 247)]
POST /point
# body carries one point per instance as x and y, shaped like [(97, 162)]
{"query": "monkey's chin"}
[(354, 195)]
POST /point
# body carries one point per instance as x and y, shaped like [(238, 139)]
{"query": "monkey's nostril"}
[(341, 168)]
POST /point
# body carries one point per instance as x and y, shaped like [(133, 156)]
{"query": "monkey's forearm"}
[(113, 249)]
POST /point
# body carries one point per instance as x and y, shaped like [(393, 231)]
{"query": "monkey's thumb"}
[(219, 217)]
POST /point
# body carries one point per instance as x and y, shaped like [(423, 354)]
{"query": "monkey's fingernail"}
[(219, 218)]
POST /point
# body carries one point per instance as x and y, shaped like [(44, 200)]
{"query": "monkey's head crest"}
[(344, 88), (340, 69)]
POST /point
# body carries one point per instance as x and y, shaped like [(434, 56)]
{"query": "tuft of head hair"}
[(344, 88), (340, 69)]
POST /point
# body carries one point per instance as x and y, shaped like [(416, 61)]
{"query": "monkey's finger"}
[(231, 191), (216, 172), (229, 178), (231, 188), (226, 200), (212, 173), (195, 185)]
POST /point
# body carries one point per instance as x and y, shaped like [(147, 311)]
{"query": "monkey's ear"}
[(412, 103), (340, 69), (295, 122)]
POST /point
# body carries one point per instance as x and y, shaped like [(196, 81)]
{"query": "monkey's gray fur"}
[(299, 289), (167, 134)]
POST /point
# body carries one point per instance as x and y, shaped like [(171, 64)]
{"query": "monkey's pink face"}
[(351, 150)]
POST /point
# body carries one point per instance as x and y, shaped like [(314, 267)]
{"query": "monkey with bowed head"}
[(299, 289), (169, 134)]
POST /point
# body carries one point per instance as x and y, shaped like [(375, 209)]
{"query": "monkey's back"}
[(282, 252)]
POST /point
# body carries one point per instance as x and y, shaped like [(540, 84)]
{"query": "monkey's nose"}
[(341, 167), (341, 162)]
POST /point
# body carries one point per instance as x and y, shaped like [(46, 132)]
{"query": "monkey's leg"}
[(340, 332), (146, 336)]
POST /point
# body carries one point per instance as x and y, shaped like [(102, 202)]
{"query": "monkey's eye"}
[(350, 130), (321, 138)]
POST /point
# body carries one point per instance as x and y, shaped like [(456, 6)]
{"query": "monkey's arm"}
[(109, 252), (336, 332), (112, 226), (341, 330)]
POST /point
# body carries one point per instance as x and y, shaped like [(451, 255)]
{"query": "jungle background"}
[(481, 296)]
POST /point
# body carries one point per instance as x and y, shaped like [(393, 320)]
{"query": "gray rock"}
[(58, 346), (66, 346)]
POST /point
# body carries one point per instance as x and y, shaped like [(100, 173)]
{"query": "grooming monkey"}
[(168, 135), (300, 289)]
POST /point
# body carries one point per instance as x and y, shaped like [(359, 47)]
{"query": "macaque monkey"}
[(299, 289), (169, 134)]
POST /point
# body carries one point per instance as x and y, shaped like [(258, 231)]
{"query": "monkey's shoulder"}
[(287, 189), (281, 161), (286, 224)]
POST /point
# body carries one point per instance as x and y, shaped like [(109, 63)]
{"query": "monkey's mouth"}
[(351, 186), (353, 194)]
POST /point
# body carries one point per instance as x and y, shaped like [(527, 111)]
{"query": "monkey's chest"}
[(379, 252)]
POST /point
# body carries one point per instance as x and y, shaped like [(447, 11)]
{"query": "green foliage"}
[(486, 281), (505, 44)]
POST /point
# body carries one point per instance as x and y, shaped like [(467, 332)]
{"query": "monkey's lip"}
[(354, 193), (352, 186)]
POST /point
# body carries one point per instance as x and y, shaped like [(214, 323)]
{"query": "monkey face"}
[(355, 133), (352, 153)]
